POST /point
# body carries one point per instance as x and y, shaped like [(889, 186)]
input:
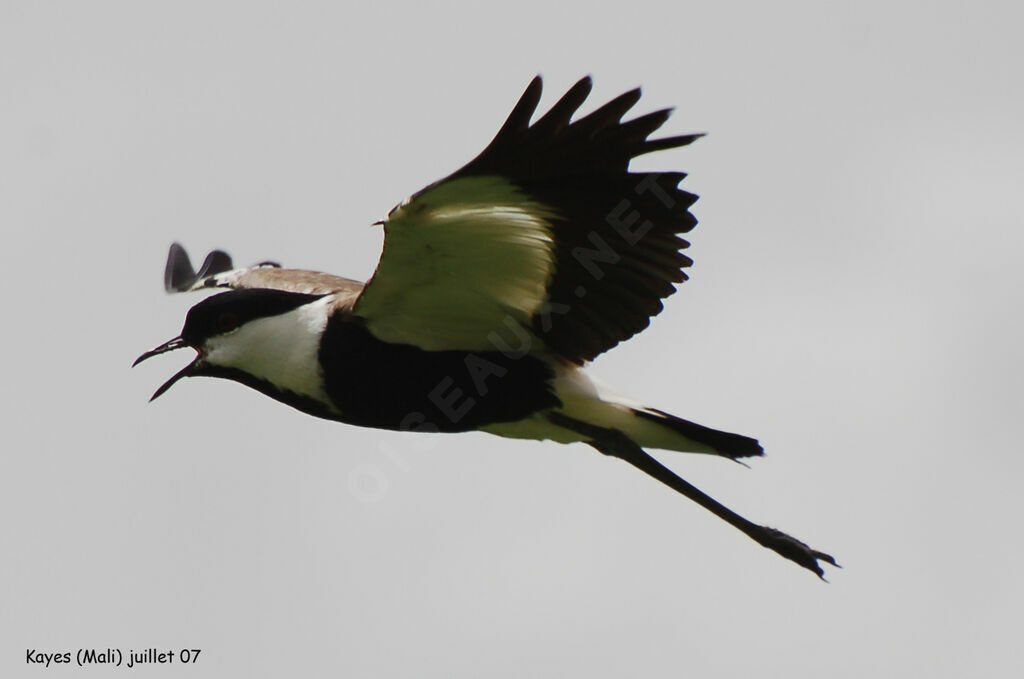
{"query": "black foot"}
[(794, 550)]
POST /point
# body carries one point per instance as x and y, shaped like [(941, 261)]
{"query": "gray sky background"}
[(855, 303)]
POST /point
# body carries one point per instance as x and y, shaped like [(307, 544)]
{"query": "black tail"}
[(726, 444)]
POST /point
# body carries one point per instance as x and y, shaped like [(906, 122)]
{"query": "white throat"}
[(283, 349)]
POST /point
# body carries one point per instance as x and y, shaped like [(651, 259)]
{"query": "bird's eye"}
[(227, 321)]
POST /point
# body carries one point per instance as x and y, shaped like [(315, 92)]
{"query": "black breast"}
[(399, 386)]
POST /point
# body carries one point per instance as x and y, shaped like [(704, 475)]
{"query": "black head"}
[(228, 311), (221, 315)]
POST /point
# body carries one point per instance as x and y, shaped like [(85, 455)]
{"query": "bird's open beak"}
[(190, 369), (171, 345)]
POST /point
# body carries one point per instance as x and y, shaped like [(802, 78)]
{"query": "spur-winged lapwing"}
[(495, 287)]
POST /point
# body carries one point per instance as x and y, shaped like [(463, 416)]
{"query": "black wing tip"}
[(562, 135), (179, 276), (216, 262), (582, 87), (586, 82), (518, 120), (663, 143), (178, 272), (560, 115)]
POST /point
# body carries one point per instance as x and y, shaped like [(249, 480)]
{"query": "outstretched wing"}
[(546, 229), (217, 271)]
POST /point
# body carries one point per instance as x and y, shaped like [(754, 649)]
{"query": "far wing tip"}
[(178, 272), (179, 276)]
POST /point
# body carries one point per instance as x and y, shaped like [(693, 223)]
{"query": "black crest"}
[(230, 310)]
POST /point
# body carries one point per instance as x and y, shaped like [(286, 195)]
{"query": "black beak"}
[(190, 369), (176, 343), (187, 371)]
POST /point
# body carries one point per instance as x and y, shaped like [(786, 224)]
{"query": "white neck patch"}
[(283, 350)]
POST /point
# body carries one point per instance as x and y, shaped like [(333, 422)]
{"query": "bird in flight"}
[(496, 286)]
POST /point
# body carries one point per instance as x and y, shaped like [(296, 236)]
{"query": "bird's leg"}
[(616, 444)]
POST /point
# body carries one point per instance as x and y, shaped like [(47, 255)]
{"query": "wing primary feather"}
[(637, 130), (217, 262), (562, 112), (519, 119), (610, 113), (652, 145), (178, 272), (179, 276)]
